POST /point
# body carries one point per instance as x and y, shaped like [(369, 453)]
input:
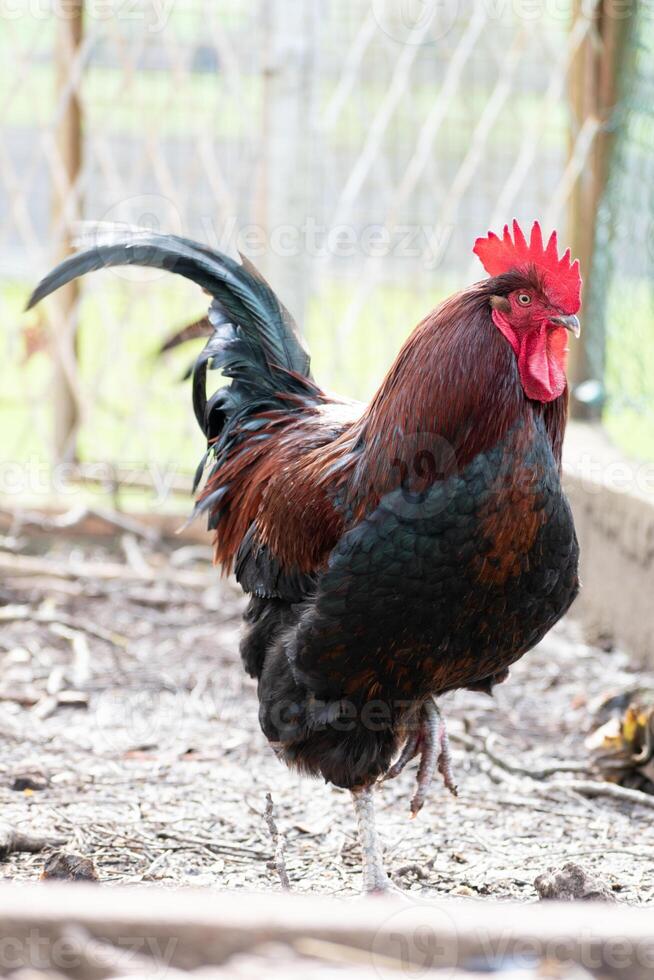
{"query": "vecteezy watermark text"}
[(75, 948), (424, 22), (342, 241), (151, 14), (36, 477), (422, 243)]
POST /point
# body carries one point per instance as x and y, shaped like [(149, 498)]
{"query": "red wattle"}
[(542, 355)]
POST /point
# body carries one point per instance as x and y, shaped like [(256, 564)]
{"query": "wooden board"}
[(185, 930)]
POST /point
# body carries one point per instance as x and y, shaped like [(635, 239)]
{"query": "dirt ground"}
[(125, 713)]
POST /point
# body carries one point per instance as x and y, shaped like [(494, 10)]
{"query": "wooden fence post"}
[(66, 211), (594, 82)]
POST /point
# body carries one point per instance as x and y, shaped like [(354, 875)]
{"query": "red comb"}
[(562, 279)]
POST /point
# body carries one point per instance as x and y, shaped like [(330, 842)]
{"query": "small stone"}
[(30, 782), (572, 883), (63, 866)]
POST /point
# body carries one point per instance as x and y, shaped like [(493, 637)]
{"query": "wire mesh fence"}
[(621, 302), (353, 149)]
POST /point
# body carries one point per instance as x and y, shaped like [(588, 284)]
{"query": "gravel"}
[(129, 729)]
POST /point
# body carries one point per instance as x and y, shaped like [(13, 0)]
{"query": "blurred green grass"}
[(136, 407)]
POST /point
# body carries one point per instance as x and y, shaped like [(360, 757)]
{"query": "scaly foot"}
[(430, 741)]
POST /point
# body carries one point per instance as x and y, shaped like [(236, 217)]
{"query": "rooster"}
[(391, 551)]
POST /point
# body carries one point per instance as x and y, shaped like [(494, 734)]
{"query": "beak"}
[(570, 323)]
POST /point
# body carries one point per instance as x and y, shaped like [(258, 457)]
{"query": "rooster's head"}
[(534, 298)]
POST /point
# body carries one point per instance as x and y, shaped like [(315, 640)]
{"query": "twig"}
[(27, 697), (79, 515), (592, 788), (512, 767), (134, 555), (220, 847), (9, 614), (81, 666), (42, 583), (117, 477), (279, 861), (106, 571), (13, 841), (518, 770), (46, 707), (190, 553)]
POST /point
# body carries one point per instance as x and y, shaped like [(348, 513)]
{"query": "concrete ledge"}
[(613, 502)]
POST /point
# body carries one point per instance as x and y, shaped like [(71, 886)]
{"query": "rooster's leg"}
[(375, 879), (434, 750)]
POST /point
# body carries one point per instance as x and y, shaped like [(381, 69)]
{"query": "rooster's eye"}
[(524, 299)]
